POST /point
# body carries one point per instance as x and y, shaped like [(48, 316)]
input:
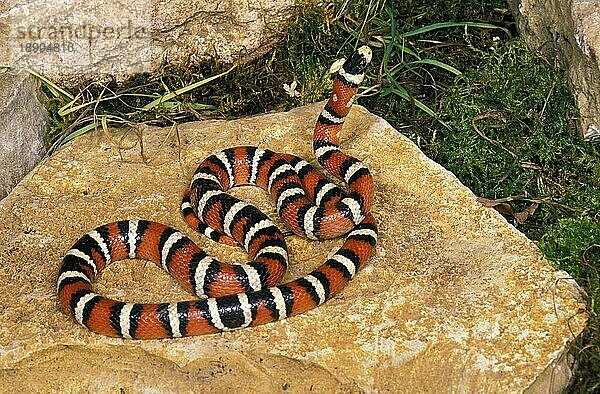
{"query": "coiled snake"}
[(234, 296)]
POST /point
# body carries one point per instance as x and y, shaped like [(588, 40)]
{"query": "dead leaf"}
[(526, 213), (499, 205)]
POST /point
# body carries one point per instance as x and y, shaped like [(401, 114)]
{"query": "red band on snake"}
[(234, 296)]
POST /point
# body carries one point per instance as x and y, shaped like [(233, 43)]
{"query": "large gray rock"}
[(454, 299), (73, 40), (23, 125), (568, 33)]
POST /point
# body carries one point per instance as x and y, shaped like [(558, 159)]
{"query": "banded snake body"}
[(233, 296)]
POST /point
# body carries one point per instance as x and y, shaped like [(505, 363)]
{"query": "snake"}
[(234, 296)]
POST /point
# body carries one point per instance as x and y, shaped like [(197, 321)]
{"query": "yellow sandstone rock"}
[(454, 300)]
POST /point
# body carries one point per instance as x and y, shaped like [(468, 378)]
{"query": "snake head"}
[(357, 63)]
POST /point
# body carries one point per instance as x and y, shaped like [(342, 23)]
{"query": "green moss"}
[(566, 241), (523, 105)]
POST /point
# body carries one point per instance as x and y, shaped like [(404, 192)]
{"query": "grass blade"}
[(185, 89), (56, 90), (439, 64), (446, 25), (79, 132), (403, 93)]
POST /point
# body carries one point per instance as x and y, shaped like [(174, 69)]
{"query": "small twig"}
[(341, 10), (521, 197), (370, 91), (494, 142), (493, 115), (502, 200), (530, 166), (173, 128), (584, 255), (546, 101)]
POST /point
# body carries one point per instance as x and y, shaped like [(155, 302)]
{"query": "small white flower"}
[(291, 89), (495, 42)]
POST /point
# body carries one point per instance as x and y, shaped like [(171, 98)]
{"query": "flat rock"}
[(454, 300), (73, 41), (23, 126), (568, 34)]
